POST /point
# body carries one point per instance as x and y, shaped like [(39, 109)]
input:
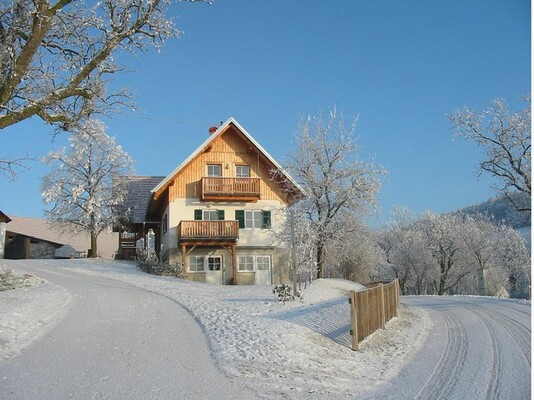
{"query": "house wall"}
[(279, 271), (3, 228)]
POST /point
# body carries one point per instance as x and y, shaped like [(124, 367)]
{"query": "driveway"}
[(116, 341)]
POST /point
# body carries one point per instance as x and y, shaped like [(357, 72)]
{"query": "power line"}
[(169, 120)]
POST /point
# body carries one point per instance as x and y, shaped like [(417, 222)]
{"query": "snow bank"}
[(291, 350), (27, 313)]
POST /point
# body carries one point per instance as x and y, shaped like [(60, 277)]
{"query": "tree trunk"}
[(320, 261), (94, 246)]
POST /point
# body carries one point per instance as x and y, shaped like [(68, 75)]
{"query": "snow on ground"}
[(28, 312), (291, 350)]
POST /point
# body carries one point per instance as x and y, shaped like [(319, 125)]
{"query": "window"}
[(263, 263), (242, 171), (254, 263), (209, 215), (253, 219), (214, 170), (196, 264), (165, 224), (214, 263), (245, 263)]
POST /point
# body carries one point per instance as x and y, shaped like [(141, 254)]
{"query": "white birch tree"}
[(82, 187)]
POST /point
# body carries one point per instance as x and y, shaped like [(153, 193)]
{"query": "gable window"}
[(253, 219), (214, 170), (242, 171)]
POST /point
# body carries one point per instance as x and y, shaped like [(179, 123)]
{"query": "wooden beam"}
[(234, 264)]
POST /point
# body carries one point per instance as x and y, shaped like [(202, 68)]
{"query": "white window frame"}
[(254, 262), (196, 271), (212, 167), (239, 174), (205, 263), (251, 221), (207, 215), (214, 257)]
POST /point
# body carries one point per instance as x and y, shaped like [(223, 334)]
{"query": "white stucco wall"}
[(3, 229), (184, 209)]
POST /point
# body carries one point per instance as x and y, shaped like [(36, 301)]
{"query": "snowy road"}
[(115, 341), (478, 348)]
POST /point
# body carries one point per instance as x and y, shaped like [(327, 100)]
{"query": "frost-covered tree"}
[(506, 140), (407, 255), (325, 163), (515, 261), (82, 187), (57, 57)]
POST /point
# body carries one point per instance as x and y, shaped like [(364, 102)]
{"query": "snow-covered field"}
[(291, 350)]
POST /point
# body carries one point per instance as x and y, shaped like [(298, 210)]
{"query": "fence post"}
[(382, 307), (353, 319), (397, 297)]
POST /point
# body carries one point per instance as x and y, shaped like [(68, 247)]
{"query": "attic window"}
[(214, 170), (242, 171)]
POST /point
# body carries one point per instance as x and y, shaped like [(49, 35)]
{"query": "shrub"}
[(283, 292), (147, 261), (10, 280)]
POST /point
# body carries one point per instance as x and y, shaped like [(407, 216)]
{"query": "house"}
[(4, 220), (28, 237), (220, 212)]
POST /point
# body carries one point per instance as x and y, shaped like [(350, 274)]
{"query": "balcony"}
[(230, 189), (208, 231)]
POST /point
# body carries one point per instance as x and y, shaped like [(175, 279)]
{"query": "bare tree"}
[(325, 164), (82, 187), (506, 139), (56, 57)]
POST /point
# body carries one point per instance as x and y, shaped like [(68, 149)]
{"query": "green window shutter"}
[(266, 220), (198, 215), (220, 215), (240, 216)]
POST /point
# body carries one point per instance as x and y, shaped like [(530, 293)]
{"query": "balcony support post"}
[(234, 264)]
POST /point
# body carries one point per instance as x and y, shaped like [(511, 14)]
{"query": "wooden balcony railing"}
[(219, 188), (208, 231)]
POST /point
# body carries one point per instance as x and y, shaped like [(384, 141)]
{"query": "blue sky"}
[(400, 66)]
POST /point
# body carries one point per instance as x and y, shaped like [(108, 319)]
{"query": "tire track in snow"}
[(492, 392), (519, 333), (450, 365)]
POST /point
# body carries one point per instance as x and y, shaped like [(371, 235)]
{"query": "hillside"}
[(501, 210)]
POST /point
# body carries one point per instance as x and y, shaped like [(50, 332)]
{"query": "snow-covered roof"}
[(165, 182)]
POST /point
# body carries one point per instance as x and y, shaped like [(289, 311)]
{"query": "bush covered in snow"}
[(147, 261), (10, 280), (283, 292)]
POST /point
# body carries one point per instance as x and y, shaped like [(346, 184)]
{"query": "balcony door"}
[(214, 270)]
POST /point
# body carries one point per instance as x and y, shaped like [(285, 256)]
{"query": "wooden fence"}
[(370, 309)]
